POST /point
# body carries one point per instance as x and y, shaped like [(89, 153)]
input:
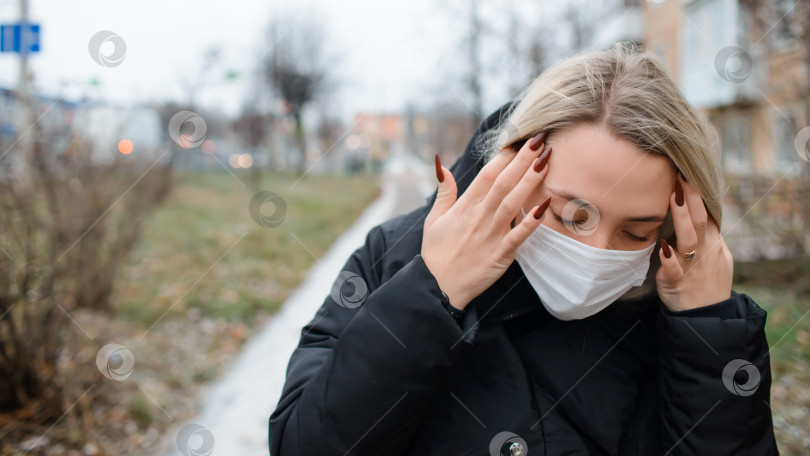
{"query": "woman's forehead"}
[(590, 163)]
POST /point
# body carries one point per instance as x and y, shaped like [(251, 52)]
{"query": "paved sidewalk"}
[(239, 404)]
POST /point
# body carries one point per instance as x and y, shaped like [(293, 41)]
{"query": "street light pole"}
[(26, 118), (23, 82)]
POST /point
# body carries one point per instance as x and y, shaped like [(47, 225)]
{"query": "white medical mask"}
[(575, 280)]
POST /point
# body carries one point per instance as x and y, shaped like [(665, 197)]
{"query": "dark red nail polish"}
[(439, 171), (541, 209), (666, 248), (541, 161), (538, 140), (678, 193)]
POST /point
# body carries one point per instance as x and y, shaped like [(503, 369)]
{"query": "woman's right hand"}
[(468, 243)]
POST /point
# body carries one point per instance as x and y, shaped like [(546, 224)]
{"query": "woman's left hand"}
[(706, 278)]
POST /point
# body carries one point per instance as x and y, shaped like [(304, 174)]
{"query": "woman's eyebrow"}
[(565, 194), (649, 218), (570, 196)]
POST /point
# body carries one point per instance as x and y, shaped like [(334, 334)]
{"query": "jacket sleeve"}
[(362, 375), (715, 379)]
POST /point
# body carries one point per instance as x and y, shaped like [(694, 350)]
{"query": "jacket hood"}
[(466, 167), (511, 295)]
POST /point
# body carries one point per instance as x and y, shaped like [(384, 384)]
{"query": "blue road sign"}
[(19, 38)]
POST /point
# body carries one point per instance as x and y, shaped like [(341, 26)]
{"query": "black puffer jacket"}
[(398, 376)]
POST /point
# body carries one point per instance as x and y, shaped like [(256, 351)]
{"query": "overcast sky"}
[(393, 52)]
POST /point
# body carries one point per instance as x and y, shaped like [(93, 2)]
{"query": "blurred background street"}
[(180, 183), (236, 406)]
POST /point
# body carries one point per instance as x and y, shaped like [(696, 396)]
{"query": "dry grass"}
[(201, 279)]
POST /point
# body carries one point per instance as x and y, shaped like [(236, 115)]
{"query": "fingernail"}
[(535, 143), (665, 247), (678, 193), (541, 161), (439, 171), (518, 144), (541, 209)]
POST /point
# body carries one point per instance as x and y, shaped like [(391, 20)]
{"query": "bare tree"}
[(253, 128), (63, 241), (525, 46), (297, 68), (474, 54), (580, 23), (513, 49), (195, 86), (537, 54), (473, 59)]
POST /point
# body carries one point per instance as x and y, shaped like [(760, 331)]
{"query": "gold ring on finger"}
[(688, 255)]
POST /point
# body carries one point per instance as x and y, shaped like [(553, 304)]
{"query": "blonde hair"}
[(626, 90)]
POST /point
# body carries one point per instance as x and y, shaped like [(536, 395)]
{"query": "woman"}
[(528, 308)]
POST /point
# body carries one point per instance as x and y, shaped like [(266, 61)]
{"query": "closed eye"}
[(630, 235), (565, 221), (637, 238)]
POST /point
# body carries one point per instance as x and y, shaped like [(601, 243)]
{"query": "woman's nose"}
[(598, 238)]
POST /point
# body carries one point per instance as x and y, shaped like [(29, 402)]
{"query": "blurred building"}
[(55, 118), (736, 61), (373, 138), (102, 126), (444, 129), (742, 64), (106, 125)]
